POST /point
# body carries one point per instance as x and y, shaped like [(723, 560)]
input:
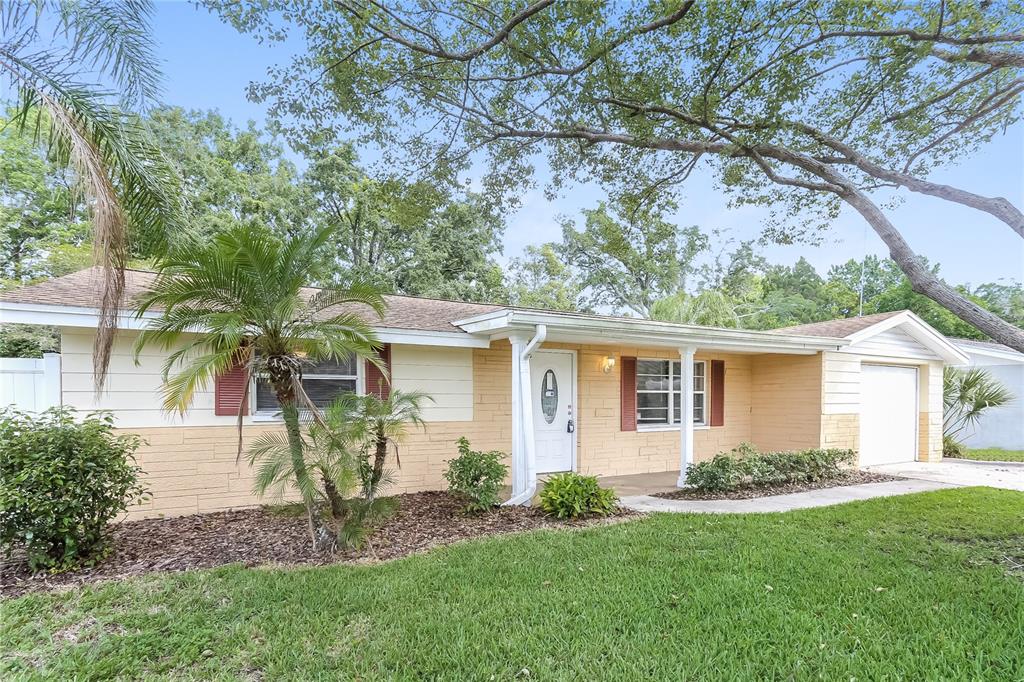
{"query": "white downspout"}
[(524, 462)]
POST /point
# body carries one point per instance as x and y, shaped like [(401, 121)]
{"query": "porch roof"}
[(597, 329)]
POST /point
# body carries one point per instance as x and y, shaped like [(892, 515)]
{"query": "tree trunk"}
[(318, 531), (380, 454), (927, 284), (337, 504)]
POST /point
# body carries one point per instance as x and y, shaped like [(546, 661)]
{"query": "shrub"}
[(63, 481), (476, 476), (744, 467), (951, 447), (571, 496), (719, 474)]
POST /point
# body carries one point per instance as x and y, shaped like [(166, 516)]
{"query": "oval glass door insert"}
[(549, 396)]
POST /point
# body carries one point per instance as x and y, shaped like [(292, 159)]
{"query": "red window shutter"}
[(627, 393), (717, 393), (376, 383), (229, 392)]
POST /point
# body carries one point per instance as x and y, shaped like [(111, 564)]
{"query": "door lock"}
[(570, 427)]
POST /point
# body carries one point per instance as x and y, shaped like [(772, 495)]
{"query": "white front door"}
[(888, 414), (553, 376)]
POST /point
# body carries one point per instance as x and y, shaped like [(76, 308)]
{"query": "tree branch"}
[(998, 207)]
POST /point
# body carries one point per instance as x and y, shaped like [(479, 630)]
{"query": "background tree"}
[(38, 207), (46, 48), (807, 106), (244, 288), (628, 258), (231, 175), (541, 279)]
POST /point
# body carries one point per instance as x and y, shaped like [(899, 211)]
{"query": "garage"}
[(888, 415)]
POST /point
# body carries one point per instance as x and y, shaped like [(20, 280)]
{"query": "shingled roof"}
[(838, 329), (81, 289)]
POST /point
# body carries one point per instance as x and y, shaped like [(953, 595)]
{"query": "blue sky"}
[(207, 65)]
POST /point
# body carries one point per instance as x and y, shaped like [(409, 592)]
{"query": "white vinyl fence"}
[(29, 384)]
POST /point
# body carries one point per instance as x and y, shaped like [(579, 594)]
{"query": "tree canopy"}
[(802, 106)]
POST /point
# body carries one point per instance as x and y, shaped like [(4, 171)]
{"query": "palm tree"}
[(337, 453), (237, 300), (966, 395), (45, 48), (386, 422)]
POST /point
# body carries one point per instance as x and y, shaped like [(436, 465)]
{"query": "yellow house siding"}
[(192, 470), (929, 442), (446, 374), (603, 448), (786, 399)]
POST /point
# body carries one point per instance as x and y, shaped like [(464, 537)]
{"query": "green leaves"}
[(64, 479), (476, 476), (744, 467), (572, 496)]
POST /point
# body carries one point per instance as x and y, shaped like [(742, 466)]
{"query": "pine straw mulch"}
[(279, 536), (847, 478)]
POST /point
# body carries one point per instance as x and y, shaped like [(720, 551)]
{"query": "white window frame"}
[(275, 415), (672, 425)]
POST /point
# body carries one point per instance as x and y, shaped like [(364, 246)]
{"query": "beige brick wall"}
[(786, 400), (840, 431), (606, 450), (929, 441), (192, 470)]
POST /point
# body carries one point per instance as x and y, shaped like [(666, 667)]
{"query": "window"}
[(656, 401), (323, 382)]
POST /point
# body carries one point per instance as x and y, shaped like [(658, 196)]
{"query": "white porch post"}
[(524, 460), (520, 465), (686, 354)]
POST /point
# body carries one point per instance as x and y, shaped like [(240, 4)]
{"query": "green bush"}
[(719, 474), (63, 481), (745, 467), (476, 476), (571, 496), (951, 447)]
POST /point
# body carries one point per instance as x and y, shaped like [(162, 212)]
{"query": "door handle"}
[(570, 426)]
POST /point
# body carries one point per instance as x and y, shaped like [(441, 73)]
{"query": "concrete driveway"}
[(959, 472)]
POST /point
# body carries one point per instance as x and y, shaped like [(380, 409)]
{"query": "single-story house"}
[(999, 427), (558, 391)]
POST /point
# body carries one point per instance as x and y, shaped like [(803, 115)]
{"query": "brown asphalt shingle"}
[(81, 289), (837, 329)]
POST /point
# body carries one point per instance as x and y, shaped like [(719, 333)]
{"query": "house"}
[(558, 391), (999, 427)]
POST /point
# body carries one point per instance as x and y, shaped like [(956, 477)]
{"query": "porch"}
[(606, 398)]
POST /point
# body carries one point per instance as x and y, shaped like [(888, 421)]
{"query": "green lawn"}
[(915, 587), (995, 455)]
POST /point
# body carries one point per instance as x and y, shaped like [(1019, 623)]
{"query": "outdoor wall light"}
[(608, 364)]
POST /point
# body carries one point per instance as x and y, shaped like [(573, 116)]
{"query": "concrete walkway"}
[(780, 503), (1009, 475)]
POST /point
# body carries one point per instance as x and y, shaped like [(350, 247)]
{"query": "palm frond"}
[(129, 187)]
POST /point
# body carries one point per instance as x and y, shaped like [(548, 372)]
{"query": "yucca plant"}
[(238, 300), (47, 48), (966, 395)]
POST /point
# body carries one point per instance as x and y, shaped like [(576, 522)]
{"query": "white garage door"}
[(888, 414)]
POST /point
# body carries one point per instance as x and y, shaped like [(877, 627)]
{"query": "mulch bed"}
[(848, 478), (261, 536)]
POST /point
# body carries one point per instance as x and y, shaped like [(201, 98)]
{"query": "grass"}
[(994, 455), (915, 587)]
